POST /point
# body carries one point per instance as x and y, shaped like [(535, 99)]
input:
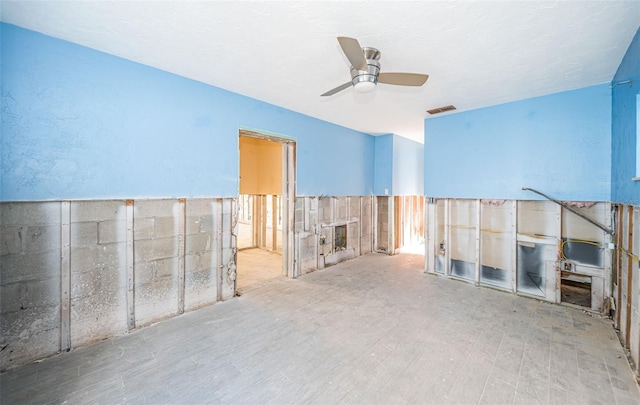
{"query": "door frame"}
[(288, 193)]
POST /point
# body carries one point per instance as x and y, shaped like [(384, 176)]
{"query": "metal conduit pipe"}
[(569, 208)]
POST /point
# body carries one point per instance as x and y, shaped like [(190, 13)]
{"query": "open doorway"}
[(409, 224), (265, 210)]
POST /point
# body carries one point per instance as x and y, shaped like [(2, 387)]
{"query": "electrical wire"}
[(586, 242), (631, 255)]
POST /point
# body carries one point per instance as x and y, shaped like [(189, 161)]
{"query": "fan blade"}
[(403, 79), (337, 89), (352, 49)]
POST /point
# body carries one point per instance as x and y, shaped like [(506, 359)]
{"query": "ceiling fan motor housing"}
[(370, 75)]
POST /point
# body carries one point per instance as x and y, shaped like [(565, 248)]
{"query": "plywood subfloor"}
[(373, 330)]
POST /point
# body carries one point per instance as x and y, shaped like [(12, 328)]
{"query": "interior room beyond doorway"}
[(260, 225)]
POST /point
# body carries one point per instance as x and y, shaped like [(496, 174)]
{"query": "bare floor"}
[(374, 330), (257, 267)]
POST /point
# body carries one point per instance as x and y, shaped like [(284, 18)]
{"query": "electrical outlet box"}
[(323, 239), (567, 266)]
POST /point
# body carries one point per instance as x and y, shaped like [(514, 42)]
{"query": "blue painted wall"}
[(625, 144), (81, 124), (559, 144), (383, 172), (408, 167)]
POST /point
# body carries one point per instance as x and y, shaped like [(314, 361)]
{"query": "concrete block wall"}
[(156, 234), (29, 282), (97, 270), (72, 273), (201, 254), (315, 219)]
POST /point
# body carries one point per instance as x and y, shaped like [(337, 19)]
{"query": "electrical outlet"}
[(568, 266)]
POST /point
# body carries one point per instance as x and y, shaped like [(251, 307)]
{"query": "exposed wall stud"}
[(263, 221), (217, 217), (274, 223), (629, 276), (619, 229), (478, 229), (447, 236), (65, 275), (131, 317), (514, 245), (374, 223), (181, 253), (288, 200)]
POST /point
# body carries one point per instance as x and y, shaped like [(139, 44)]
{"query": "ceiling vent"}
[(441, 109)]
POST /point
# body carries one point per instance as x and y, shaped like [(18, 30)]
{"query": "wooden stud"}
[(263, 221), (619, 230)]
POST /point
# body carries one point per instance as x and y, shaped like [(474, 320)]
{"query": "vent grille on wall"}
[(441, 109)]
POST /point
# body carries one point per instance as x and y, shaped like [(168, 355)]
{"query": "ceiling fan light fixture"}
[(364, 86)]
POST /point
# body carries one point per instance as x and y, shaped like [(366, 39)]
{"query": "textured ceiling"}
[(477, 53)]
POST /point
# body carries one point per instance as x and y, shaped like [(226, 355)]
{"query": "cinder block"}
[(156, 301), (165, 227), (10, 297), (10, 240), (29, 322), (98, 281), (155, 208), (200, 290), (199, 280), (16, 268), (143, 228), (201, 261), (112, 231), (199, 243), (97, 211), (29, 213), (167, 268), (99, 256), (25, 348), (84, 234), (206, 224), (40, 293), (198, 207), (226, 231), (42, 238), (145, 272), (153, 249), (192, 225), (98, 316)]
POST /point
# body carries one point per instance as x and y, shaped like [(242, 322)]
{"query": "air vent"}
[(441, 109)]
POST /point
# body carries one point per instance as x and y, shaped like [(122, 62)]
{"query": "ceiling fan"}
[(365, 69)]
